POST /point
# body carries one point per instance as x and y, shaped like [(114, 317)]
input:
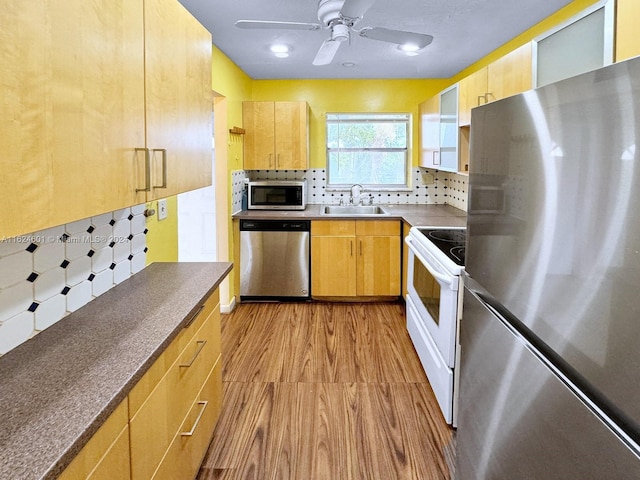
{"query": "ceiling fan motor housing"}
[(329, 11)]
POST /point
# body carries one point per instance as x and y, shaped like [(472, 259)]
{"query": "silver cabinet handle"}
[(190, 433), (351, 245), (147, 170), (195, 315), (270, 159), (201, 344), (164, 167), (436, 157), (360, 247)]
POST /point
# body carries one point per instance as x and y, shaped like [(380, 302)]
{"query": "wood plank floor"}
[(325, 391)]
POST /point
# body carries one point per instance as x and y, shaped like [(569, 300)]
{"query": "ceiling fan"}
[(340, 17)]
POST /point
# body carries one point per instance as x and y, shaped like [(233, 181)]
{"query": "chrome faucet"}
[(356, 190)]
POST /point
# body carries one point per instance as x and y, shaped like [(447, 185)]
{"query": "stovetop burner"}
[(450, 241), (450, 236)]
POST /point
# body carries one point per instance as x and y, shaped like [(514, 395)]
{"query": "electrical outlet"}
[(162, 209), (427, 178)]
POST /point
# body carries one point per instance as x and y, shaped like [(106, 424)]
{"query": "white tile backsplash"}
[(79, 295), (102, 282), (50, 312), (48, 284), (101, 259), (427, 187), (16, 330), (78, 270), (77, 244), (15, 267), (48, 274), (49, 255), (14, 300)]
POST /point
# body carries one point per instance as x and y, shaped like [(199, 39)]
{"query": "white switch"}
[(162, 209)]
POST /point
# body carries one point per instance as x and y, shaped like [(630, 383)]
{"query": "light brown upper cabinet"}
[(73, 95), (627, 20), (179, 99), (472, 91), (509, 75), (277, 135)]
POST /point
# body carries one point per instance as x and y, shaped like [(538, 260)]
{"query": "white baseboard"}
[(228, 308)]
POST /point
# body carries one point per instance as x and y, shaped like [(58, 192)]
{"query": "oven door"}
[(434, 293), (441, 377)]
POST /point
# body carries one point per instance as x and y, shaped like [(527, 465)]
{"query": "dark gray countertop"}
[(61, 385), (423, 215)]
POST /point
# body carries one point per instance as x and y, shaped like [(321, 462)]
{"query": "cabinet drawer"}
[(150, 379), (333, 227), (106, 451), (378, 227), (190, 444), (155, 424)]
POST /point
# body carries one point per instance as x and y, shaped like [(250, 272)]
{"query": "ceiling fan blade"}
[(400, 37), (265, 24), (356, 8), (327, 52)]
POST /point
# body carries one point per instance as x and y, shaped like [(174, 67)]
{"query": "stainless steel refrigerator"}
[(550, 330)]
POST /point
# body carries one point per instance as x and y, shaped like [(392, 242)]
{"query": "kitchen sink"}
[(353, 210)]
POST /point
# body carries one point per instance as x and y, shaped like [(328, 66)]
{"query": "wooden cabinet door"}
[(627, 19), (333, 266), (471, 93), (73, 110), (511, 74), (184, 456), (179, 99), (378, 265), (259, 139), (153, 427), (106, 454), (430, 132), (291, 135)]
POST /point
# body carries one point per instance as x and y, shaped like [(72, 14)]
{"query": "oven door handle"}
[(441, 278)]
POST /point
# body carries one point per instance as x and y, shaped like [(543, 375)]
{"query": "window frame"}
[(368, 117)]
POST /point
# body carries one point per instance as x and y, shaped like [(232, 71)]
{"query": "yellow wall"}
[(235, 85), (399, 96), (162, 238)]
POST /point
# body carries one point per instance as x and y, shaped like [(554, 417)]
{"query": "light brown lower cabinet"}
[(163, 428), (355, 258), (106, 455)]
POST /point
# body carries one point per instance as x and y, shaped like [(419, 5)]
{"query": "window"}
[(367, 149)]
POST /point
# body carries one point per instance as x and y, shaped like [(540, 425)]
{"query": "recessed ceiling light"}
[(410, 49), (348, 64), (280, 50)]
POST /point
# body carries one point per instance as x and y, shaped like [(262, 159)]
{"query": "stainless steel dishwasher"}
[(274, 259)]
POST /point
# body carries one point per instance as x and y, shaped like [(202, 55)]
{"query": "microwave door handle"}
[(442, 279)]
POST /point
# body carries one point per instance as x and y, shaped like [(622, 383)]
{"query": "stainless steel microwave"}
[(277, 195)]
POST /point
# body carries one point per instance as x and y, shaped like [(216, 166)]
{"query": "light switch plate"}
[(162, 209)]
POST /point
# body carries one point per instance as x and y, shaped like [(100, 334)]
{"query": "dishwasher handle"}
[(275, 225)]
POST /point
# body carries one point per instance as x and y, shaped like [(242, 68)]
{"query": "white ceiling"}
[(464, 31)]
